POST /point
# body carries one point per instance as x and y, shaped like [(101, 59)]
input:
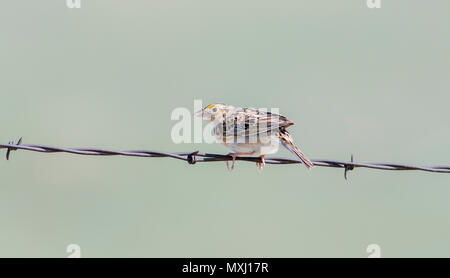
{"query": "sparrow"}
[(250, 132)]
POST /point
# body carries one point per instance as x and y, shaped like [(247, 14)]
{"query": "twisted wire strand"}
[(196, 156)]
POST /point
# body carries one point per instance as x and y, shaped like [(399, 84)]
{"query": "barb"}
[(194, 157), (8, 152)]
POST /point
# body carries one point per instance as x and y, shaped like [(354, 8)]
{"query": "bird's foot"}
[(234, 155), (261, 164)]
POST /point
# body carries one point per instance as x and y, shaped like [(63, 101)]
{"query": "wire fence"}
[(196, 156)]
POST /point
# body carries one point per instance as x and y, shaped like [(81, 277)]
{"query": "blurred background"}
[(372, 82)]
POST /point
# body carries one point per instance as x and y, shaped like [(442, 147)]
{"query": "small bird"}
[(252, 132)]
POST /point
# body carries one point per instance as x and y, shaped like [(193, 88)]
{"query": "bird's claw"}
[(261, 164), (233, 161)]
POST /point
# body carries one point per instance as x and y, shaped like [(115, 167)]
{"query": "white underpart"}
[(266, 144)]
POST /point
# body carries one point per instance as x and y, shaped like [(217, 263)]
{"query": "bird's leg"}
[(261, 164), (234, 155)]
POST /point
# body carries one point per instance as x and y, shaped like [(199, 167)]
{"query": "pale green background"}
[(373, 82)]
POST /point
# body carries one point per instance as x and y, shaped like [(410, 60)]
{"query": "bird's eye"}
[(214, 110)]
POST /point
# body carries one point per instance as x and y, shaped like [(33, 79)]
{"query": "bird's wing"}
[(247, 122)]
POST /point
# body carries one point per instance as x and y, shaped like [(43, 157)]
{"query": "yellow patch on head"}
[(211, 106)]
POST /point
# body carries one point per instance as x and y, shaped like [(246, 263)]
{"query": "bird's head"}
[(214, 111)]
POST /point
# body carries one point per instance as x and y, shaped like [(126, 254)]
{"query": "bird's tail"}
[(286, 140)]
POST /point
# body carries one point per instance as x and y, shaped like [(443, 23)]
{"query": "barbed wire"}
[(196, 156)]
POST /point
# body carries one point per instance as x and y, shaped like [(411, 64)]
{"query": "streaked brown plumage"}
[(250, 131)]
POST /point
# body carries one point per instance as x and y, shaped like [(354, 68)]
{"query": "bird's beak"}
[(199, 114)]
